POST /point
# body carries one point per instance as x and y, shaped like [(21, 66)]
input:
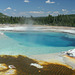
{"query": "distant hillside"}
[(2, 15)]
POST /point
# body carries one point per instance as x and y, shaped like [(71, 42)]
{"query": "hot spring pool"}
[(32, 43)]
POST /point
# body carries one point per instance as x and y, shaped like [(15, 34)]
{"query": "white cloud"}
[(48, 1), (33, 13), (64, 10), (56, 12), (22, 14), (49, 12), (36, 12), (8, 8), (26, 1)]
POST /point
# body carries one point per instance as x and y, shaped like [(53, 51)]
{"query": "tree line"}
[(60, 20)]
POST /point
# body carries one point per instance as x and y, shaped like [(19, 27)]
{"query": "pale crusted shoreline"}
[(24, 27)]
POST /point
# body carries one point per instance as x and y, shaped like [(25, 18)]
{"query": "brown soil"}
[(23, 67)]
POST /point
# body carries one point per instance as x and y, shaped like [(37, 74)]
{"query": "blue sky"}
[(37, 7)]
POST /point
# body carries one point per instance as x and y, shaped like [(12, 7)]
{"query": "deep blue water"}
[(43, 39)]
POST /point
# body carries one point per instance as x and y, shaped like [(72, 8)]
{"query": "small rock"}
[(12, 67), (36, 65)]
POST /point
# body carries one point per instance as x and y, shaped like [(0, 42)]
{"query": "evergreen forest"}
[(60, 20)]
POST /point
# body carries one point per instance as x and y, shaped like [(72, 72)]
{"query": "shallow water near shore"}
[(34, 43)]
